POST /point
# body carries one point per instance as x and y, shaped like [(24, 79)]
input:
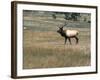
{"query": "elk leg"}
[(65, 40), (69, 40), (76, 39)]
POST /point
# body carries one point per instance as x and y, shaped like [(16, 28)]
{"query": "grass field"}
[(44, 47), (47, 49)]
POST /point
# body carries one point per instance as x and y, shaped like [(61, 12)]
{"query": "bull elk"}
[(68, 34)]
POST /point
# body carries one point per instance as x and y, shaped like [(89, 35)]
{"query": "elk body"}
[(68, 34)]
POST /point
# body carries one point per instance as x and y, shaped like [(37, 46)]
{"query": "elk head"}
[(60, 30)]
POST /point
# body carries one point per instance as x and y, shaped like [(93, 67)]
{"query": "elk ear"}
[(60, 27)]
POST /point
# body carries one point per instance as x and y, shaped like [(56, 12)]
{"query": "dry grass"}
[(44, 49)]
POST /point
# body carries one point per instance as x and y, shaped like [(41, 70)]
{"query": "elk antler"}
[(64, 24)]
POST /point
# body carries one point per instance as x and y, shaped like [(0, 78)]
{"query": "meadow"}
[(43, 47)]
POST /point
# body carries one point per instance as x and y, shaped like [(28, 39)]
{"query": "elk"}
[(68, 34)]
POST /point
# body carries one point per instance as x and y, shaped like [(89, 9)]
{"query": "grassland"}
[(47, 49), (44, 48)]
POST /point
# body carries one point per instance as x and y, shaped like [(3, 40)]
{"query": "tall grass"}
[(46, 49)]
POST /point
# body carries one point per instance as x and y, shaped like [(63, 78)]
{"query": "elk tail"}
[(77, 33)]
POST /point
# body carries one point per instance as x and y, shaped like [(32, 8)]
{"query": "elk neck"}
[(63, 33)]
